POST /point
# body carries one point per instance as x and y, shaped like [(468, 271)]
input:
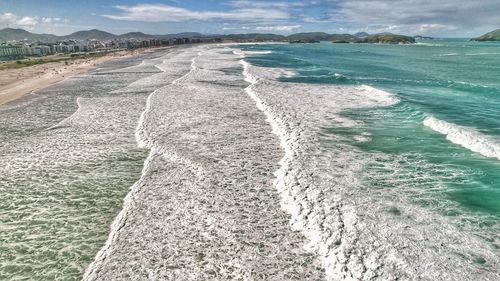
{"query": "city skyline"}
[(446, 19)]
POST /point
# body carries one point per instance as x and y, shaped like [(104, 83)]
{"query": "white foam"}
[(483, 54), (299, 194), (143, 141), (319, 188), (249, 53), (362, 138), (448, 54), (428, 44), (347, 227), (203, 121), (466, 137), (339, 76)]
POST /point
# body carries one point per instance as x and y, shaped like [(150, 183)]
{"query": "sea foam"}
[(181, 224), (329, 226), (466, 137), (320, 185), (143, 141), (246, 53), (198, 205)]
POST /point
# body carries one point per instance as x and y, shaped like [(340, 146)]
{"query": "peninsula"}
[(490, 36)]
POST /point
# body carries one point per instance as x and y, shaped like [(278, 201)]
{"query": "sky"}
[(442, 18)]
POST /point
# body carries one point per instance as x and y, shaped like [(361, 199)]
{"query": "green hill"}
[(91, 34), (12, 34), (388, 38), (490, 36), (321, 36), (136, 35), (253, 36)]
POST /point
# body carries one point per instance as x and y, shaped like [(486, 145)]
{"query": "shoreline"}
[(16, 83), (209, 202)]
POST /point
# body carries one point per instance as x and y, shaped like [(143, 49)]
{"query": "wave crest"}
[(466, 137)]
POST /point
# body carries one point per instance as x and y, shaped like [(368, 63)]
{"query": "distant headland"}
[(19, 43), (490, 36), (10, 35)]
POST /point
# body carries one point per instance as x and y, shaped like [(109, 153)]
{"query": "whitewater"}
[(466, 137), (223, 196), (233, 170)]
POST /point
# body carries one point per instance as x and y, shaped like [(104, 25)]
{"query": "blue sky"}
[(447, 18)]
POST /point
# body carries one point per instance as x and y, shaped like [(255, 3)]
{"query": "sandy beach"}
[(15, 83)]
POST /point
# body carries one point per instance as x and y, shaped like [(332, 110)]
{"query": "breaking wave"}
[(466, 137), (246, 53)]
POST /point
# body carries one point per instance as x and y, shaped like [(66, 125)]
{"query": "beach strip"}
[(15, 83)]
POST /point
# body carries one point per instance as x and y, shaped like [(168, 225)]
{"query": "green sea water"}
[(450, 80)]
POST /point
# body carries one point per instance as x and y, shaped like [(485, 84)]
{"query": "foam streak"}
[(465, 137)]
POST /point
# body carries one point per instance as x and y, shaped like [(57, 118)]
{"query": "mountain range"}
[(11, 34)]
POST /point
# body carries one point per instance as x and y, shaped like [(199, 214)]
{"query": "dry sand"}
[(15, 83)]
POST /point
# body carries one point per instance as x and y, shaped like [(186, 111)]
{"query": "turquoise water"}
[(451, 80)]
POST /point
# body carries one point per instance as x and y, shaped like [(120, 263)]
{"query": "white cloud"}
[(29, 23), (8, 18), (278, 28), (270, 28), (166, 13), (267, 4), (417, 16), (35, 23), (51, 20), (12, 20), (236, 28)]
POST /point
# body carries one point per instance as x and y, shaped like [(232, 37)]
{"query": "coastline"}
[(16, 83), (200, 109), (214, 231)]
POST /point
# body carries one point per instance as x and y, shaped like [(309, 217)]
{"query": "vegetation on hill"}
[(13, 34), (389, 39), (321, 36), (253, 36), (363, 37), (91, 34), (361, 34), (490, 36), (10, 34)]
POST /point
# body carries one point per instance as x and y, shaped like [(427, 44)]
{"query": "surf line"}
[(290, 138), (289, 141), (466, 137), (130, 199)]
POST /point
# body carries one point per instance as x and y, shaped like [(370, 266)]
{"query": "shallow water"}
[(67, 158), (387, 170)]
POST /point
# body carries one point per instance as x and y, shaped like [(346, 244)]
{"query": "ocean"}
[(68, 158), (447, 117), (266, 162), (431, 158)]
